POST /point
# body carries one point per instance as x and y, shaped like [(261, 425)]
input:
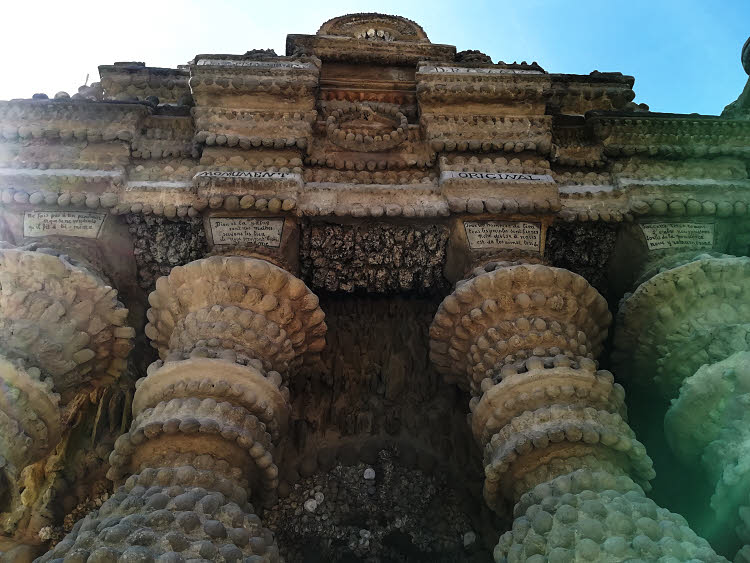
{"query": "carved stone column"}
[(229, 331), (685, 332), (62, 337), (522, 339)]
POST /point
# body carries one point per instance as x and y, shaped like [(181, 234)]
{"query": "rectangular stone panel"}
[(660, 236), (246, 231), (242, 174), (62, 223), (470, 70), (506, 235), (496, 177), (254, 64)]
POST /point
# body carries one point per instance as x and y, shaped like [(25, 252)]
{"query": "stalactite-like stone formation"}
[(681, 318), (709, 422), (523, 338), (62, 334), (30, 427), (206, 418)]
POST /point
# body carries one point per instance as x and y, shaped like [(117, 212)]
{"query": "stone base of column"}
[(192, 512), (597, 516)]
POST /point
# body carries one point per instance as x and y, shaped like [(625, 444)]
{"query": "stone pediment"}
[(374, 27)]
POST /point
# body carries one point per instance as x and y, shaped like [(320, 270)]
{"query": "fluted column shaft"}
[(523, 338), (229, 331)]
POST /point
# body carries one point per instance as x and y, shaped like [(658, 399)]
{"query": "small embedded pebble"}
[(369, 474), (469, 538), (311, 505)]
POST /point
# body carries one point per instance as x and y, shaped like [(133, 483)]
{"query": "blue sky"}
[(684, 54)]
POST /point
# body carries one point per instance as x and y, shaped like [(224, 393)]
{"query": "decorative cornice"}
[(627, 134)]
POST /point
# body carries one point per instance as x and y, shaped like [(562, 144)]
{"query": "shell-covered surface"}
[(205, 378), (62, 318), (509, 314), (708, 422), (245, 306), (682, 318), (550, 420), (173, 514), (203, 406), (30, 423), (597, 516)]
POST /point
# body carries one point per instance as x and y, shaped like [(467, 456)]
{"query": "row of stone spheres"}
[(373, 300)]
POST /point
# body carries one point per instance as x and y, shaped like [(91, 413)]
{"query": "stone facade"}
[(356, 303)]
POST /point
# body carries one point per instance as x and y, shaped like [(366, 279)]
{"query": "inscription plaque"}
[(246, 174), (253, 64), (468, 70), (246, 231), (678, 235), (497, 177), (62, 223), (509, 235)]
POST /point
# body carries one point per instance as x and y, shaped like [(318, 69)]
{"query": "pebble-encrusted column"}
[(229, 330), (62, 335), (522, 339), (683, 332)]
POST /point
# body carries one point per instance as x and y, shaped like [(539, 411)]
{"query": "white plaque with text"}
[(246, 231), (62, 223), (517, 235), (660, 236), (475, 70), (242, 174), (497, 177), (254, 64)]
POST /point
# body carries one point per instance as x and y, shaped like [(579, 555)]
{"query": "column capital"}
[(695, 312), (504, 316), (236, 308)]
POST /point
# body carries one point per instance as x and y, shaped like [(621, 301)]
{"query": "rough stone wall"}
[(583, 248), (384, 511), (376, 402), (376, 257), (161, 244)]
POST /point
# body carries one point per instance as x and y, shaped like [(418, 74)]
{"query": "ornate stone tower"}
[(248, 305)]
